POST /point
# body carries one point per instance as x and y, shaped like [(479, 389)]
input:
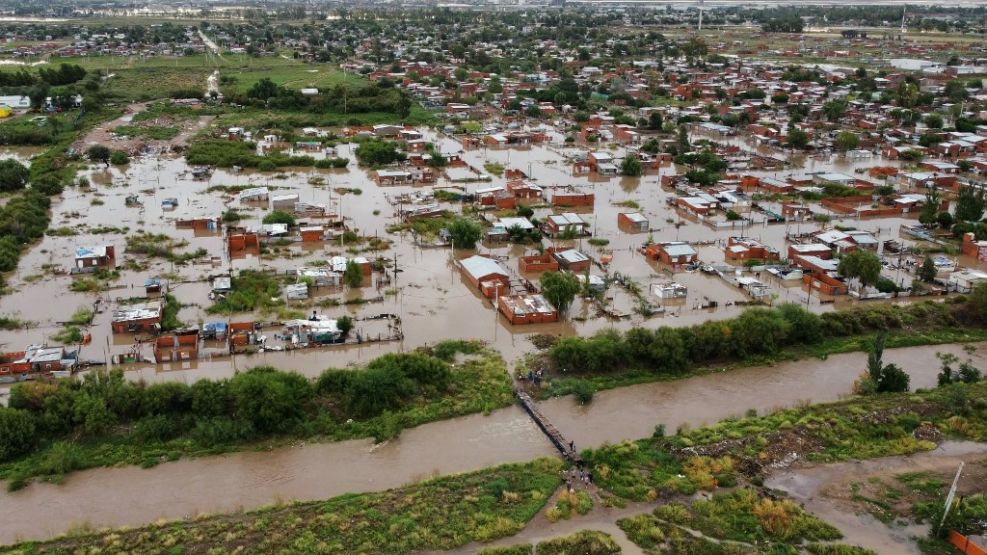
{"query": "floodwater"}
[(131, 495), (429, 294), (808, 486), (633, 412)]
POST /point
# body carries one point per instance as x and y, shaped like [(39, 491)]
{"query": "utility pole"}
[(699, 29)]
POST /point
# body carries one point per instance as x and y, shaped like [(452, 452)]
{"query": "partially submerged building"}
[(527, 309)]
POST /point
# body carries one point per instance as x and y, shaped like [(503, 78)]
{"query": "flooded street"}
[(809, 486), (318, 471), (429, 293)]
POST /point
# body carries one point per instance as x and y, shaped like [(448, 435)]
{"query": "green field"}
[(157, 77)]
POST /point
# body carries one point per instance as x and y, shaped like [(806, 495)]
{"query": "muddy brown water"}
[(432, 298), (633, 412), (435, 304), (132, 495), (806, 485)]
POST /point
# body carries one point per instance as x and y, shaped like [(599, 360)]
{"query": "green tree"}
[(927, 272), (99, 153), (893, 380), (631, 166), (375, 152), (834, 110), (934, 121), (264, 89), (976, 303), (465, 233), (560, 289), (279, 217), (955, 90), (119, 158), (269, 400), (345, 325), (17, 433), (861, 264), (881, 378), (798, 139), (683, 141), (13, 175), (846, 140), (353, 274), (655, 120), (930, 208), (970, 204)]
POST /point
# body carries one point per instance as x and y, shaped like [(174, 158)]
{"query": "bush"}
[(756, 332), (465, 233), (17, 433), (269, 400), (155, 428), (374, 153), (280, 217), (13, 175), (584, 391), (119, 158), (885, 285)]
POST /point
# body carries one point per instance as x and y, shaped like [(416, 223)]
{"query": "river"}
[(131, 496)]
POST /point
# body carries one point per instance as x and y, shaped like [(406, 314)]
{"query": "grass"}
[(479, 384), (745, 516), (10, 323), (159, 245), (568, 504), (437, 514), (858, 428), (162, 133), (586, 542)]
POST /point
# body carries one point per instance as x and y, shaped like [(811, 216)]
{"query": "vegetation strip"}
[(52, 429)]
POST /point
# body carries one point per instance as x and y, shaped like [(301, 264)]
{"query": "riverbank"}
[(257, 410), (493, 504), (759, 337), (306, 471)]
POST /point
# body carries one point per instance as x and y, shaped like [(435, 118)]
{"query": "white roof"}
[(285, 198), (679, 249), (392, 173), (572, 256), (522, 223), (568, 218), (635, 217), (480, 266), (254, 193), (832, 236)]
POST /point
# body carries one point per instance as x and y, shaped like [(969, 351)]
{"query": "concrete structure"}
[(634, 222), (90, 259), (485, 274), (672, 253), (527, 309), (137, 319), (745, 248), (572, 260)]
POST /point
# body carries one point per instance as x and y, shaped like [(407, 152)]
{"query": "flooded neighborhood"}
[(501, 278)]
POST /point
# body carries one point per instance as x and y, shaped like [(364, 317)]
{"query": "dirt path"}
[(809, 486), (104, 135)]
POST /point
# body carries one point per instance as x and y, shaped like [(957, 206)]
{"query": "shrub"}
[(279, 217), (17, 433), (119, 158)]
